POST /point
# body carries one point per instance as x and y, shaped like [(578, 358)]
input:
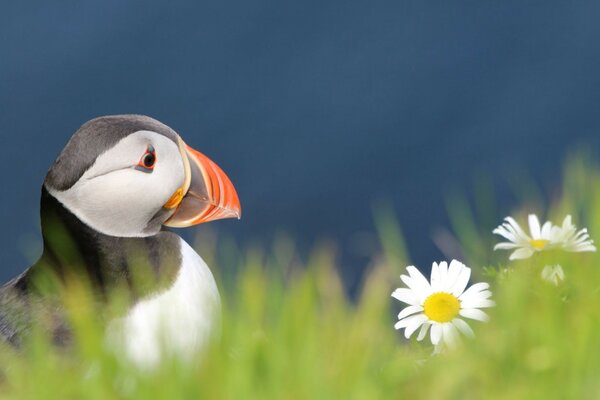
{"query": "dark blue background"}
[(315, 109)]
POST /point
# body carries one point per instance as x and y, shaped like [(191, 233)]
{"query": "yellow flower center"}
[(441, 307), (538, 244)]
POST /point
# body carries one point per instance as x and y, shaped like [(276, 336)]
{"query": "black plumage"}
[(73, 250)]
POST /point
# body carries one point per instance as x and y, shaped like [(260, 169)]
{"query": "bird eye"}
[(146, 163)]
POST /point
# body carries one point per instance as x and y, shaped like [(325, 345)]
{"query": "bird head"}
[(128, 175)]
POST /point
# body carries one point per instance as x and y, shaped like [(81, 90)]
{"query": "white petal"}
[(583, 233), (406, 296), (415, 323), (522, 236), (407, 281), (567, 222), (474, 313), (423, 331), (473, 289), (436, 278), (403, 323), (443, 267), (477, 303), (419, 282), (553, 274), (504, 232), (521, 254), (416, 286), (546, 230), (409, 310), (453, 271), (466, 301), (461, 281), (506, 246), (436, 333), (449, 334), (556, 235), (463, 327), (586, 247), (534, 226)]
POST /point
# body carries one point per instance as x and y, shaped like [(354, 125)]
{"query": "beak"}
[(206, 195)]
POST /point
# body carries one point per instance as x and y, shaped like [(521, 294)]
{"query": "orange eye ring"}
[(148, 160)]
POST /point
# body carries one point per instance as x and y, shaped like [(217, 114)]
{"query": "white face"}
[(118, 199)]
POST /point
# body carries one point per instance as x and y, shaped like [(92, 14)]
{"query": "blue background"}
[(315, 109)]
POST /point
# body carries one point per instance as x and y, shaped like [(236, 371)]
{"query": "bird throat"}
[(73, 250)]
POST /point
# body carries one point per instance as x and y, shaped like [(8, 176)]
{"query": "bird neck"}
[(74, 250)]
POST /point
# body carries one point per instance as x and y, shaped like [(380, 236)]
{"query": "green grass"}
[(291, 332)]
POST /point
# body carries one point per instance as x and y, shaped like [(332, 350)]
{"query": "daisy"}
[(572, 240), (441, 303), (544, 237), (553, 274), (540, 238)]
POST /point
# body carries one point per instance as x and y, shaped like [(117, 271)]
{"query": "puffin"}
[(107, 205)]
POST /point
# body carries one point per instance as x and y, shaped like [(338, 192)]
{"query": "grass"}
[(291, 332)]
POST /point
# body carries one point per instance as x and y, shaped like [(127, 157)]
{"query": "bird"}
[(108, 206)]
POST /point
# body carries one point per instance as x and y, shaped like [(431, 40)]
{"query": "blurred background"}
[(318, 111)]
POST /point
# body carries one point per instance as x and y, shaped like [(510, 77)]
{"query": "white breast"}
[(178, 321)]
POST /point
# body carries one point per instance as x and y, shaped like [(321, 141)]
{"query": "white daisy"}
[(441, 303), (541, 238), (570, 239), (553, 274)]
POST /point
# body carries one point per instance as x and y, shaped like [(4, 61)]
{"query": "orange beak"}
[(206, 195)]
